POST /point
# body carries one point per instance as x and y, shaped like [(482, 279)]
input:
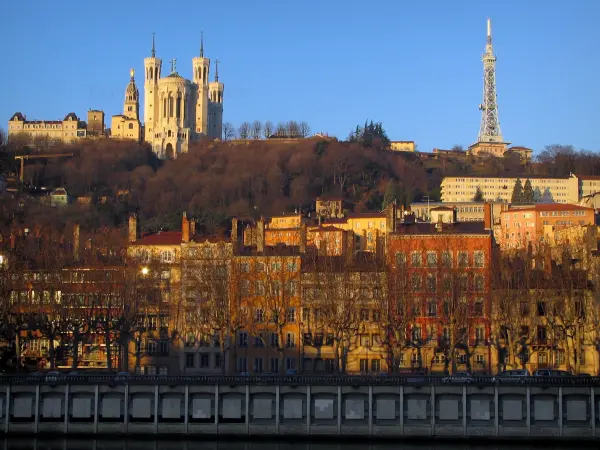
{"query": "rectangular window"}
[(274, 340), (400, 259), (290, 363), (478, 259), (258, 364), (242, 364), (478, 308), (479, 359), (364, 365), (480, 333), (243, 339), (479, 283), (218, 360), (259, 341), (274, 365), (560, 357), (463, 259), (375, 365), (542, 359), (364, 315), (415, 282), (204, 361), (447, 260), (431, 308), (431, 282), (364, 340), (290, 340), (259, 316), (190, 360), (291, 315), (416, 259), (432, 259)]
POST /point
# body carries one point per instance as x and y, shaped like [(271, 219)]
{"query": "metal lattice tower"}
[(490, 123)]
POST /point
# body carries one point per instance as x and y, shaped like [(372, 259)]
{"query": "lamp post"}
[(428, 199)]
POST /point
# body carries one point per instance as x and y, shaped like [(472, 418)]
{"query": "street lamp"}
[(145, 271), (427, 197)]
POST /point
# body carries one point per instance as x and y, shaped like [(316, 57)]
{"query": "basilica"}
[(176, 110)]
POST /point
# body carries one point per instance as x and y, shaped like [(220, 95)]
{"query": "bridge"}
[(219, 406)]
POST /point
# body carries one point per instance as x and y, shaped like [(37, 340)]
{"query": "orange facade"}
[(521, 226), (440, 282)]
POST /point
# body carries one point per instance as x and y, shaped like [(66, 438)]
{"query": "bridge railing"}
[(295, 380)]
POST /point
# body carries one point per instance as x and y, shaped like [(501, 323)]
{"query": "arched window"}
[(205, 69), (178, 108), (165, 107), (169, 133), (220, 97), (156, 73), (131, 126), (170, 106)]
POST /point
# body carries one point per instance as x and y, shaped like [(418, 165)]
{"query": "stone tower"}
[(131, 107), (152, 66), (216, 89), (201, 69)]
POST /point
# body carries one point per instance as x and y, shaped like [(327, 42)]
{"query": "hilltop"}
[(218, 180)]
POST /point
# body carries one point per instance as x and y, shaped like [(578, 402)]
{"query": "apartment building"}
[(538, 223), (464, 211), (494, 188), (439, 285)]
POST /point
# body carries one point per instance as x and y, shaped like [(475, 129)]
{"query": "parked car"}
[(510, 375), (459, 377), (552, 373)]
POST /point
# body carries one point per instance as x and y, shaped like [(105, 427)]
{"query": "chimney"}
[(76, 242), (132, 237), (303, 237), (192, 228), (260, 235), (235, 238), (185, 228), (440, 224), (487, 216), (391, 217)]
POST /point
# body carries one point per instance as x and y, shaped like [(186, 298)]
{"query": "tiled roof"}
[(325, 228), (328, 221), (71, 116), (442, 208), (588, 177), (367, 214)]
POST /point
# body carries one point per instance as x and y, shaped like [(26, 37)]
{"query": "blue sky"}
[(414, 65)]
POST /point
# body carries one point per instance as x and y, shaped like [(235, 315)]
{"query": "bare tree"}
[(256, 129), (228, 131), (304, 129), (281, 129), (244, 130), (293, 129), (267, 129)]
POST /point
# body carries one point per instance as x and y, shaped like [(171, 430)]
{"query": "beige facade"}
[(178, 110), (548, 190), (127, 125), (67, 130), (95, 122), (402, 146), (464, 211), (588, 185), (488, 148)]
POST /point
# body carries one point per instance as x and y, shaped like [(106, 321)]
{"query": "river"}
[(177, 444)]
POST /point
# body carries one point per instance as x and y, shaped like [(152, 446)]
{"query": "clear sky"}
[(415, 65)]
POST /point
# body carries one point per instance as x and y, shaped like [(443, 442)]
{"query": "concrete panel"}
[(201, 408), (110, 408), (577, 409), (81, 408), (480, 409), (512, 409), (355, 409), (543, 409), (52, 407), (141, 408), (417, 409), (292, 408), (262, 408), (448, 409), (323, 408), (386, 409), (23, 407), (232, 408), (171, 407)]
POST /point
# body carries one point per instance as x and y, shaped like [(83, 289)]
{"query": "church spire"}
[(216, 70), (202, 44), (153, 48)]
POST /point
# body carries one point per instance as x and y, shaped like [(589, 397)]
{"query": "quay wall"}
[(301, 406)]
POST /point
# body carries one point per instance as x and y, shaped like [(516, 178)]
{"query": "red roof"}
[(589, 177), (367, 214), (161, 238), (325, 228)]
